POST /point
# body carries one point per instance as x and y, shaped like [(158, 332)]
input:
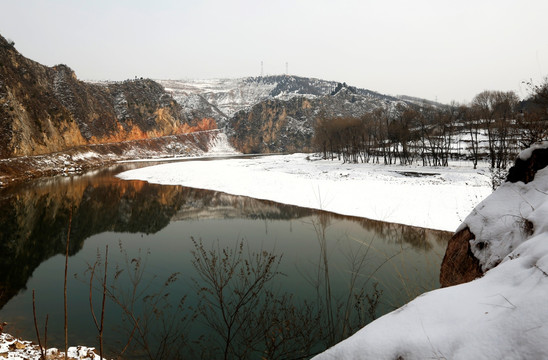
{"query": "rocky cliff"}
[(274, 126), (47, 109), (85, 157), (275, 113)]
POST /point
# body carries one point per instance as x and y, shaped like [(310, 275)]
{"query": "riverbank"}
[(83, 158), (430, 197)]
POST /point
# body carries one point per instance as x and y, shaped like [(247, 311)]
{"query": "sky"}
[(438, 50)]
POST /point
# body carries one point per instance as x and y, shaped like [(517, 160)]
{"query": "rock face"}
[(47, 109), (460, 264), (275, 126), (275, 113)]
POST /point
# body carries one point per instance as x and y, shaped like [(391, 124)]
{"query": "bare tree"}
[(495, 110), (533, 118)]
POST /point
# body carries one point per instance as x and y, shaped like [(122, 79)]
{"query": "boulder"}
[(466, 257), (459, 264)]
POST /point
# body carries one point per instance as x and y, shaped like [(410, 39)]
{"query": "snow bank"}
[(437, 198), (500, 227), (502, 315)]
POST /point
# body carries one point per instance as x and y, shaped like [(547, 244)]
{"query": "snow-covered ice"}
[(437, 198)]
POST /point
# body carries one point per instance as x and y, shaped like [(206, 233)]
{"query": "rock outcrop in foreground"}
[(500, 315), (461, 262)]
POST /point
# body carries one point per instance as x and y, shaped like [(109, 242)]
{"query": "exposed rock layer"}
[(47, 109), (87, 157)]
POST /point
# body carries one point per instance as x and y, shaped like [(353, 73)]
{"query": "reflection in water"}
[(330, 263), (34, 219)]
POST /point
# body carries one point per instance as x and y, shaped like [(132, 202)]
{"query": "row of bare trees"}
[(493, 127)]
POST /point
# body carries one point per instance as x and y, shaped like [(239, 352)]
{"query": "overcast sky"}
[(449, 50)]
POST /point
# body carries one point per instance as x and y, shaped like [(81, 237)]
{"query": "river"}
[(181, 261)]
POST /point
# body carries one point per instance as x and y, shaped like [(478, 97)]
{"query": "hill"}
[(274, 113), (47, 109)]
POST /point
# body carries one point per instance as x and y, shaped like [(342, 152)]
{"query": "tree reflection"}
[(238, 310), (34, 217), (340, 297)]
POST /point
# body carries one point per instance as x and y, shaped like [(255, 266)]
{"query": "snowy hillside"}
[(222, 98), (233, 95), (273, 114)]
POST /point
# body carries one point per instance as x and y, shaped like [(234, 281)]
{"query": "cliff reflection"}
[(35, 216)]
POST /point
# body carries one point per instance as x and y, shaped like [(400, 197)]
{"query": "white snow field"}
[(436, 198), (503, 315)]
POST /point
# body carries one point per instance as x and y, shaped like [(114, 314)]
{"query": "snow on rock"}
[(13, 348), (502, 315), (502, 222), (433, 198), (526, 154)]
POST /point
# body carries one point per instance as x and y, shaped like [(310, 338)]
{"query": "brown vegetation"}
[(496, 125)]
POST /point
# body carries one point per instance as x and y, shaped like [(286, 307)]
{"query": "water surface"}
[(329, 265)]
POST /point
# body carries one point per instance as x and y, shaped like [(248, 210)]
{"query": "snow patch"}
[(220, 145), (13, 348)]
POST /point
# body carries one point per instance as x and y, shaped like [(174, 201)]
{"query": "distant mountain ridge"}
[(47, 109), (222, 98), (275, 113)]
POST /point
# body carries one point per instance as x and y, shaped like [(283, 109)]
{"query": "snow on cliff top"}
[(502, 315)]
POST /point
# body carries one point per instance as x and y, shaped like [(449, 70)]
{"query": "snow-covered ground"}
[(437, 198), (502, 315)]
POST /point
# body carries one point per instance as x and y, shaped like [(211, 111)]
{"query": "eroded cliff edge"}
[(47, 109)]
